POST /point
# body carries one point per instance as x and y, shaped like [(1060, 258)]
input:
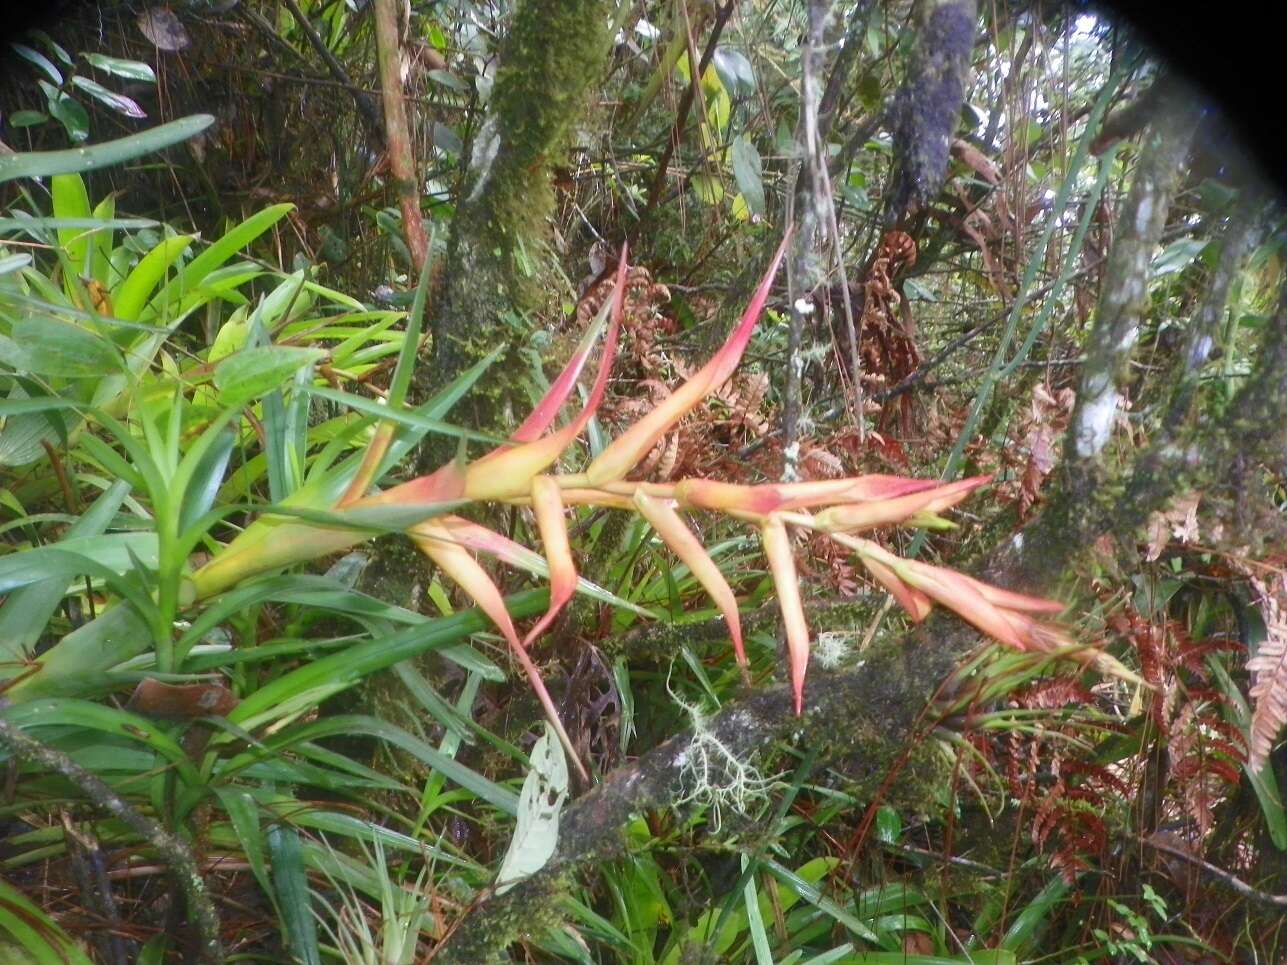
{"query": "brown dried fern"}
[(1269, 670)]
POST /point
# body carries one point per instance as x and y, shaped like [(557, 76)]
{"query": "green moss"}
[(540, 911), (497, 255)]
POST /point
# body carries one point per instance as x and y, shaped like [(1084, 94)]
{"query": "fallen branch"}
[(1226, 878), (880, 699)]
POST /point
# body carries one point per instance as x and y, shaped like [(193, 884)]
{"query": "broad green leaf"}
[(707, 189), (1024, 932), (36, 164), (735, 71), (28, 936), (322, 593), (252, 372), (91, 555), (31, 225), (801, 884), (406, 417), (809, 892), (285, 434), (52, 347), (103, 235), (290, 299), (294, 897), (230, 338), (155, 951), (71, 200), (536, 834), (358, 724), (216, 256), (117, 102), (755, 920), (40, 60), (135, 291), (57, 49), (78, 662), (74, 713), (27, 424), (207, 475), (27, 118), (389, 518), (68, 111), (27, 610), (243, 814), (1177, 256), (337, 822), (308, 685), (120, 67), (749, 173), (1264, 781), (889, 824), (11, 263)]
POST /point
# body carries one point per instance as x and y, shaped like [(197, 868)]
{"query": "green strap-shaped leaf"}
[(294, 897), (40, 164), (39, 938), (27, 609)]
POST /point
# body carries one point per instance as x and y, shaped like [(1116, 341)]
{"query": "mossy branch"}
[(927, 108), (879, 699), (175, 853), (1084, 497)]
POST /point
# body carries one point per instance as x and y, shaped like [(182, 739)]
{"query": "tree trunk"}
[(553, 52)]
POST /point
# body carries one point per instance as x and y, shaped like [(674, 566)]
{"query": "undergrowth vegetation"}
[(337, 626)]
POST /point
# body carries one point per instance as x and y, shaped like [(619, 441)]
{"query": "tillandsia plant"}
[(521, 472)]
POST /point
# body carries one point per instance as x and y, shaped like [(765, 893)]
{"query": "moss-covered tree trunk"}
[(1089, 492), (554, 51), (928, 107)]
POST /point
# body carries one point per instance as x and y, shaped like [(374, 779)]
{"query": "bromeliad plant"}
[(339, 506), (519, 473)]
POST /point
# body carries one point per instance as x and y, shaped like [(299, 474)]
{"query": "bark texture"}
[(928, 107), (554, 51), (402, 162), (1087, 493)]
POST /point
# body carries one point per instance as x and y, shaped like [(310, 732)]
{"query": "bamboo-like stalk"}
[(402, 162)]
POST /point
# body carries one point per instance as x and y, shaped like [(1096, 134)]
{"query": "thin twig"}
[(943, 354), (1230, 880), (365, 106), (183, 866), (804, 212), (987, 871), (60, 473)]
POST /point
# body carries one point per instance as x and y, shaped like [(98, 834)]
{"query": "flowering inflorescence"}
[(519, 473)]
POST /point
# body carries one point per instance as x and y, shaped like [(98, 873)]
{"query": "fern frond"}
[(1269, 672)]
